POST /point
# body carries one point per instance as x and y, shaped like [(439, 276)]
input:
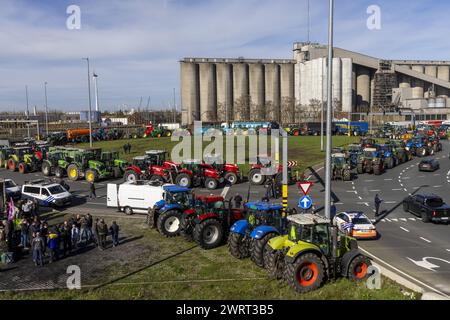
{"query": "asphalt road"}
[(420, 251)]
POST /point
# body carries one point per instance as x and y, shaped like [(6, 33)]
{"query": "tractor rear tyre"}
[(130, 176), (209, 234), (157, 178), (91, 175), (184, 180), (12, 165), (306, 273), (169, 223), (22, 167), (357, 270), (59, 172), (258, 247), (421, 152), (231, 177), (211, 183), (347, 176), (238, 246), (359, 168), (255, 177), (377, 170), (390, 163), (187, 228), (274, 263), (73, 173), (46, 169)]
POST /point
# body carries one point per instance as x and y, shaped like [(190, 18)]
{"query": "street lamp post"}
[(329, 114), (28, 113), (46, 108), (90, 102), (94, 77)]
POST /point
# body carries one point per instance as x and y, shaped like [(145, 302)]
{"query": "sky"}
[(135, 46)]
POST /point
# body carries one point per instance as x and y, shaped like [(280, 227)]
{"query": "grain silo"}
[(224, 79), (287, 93), (240, 91), (190, 91), (208, 95), (272, 91), (257, 96)]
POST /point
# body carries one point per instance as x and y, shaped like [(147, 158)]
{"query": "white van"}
[(134, 197)]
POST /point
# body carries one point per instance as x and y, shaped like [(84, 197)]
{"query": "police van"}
[(47, 193)]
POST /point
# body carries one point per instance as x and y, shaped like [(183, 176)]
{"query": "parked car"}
[(429, 165), (429, 207), (47, 194), (355, 224), (12, 190)]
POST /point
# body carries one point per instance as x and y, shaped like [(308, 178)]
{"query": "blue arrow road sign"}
[(305, 202)]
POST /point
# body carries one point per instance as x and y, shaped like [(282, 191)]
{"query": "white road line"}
[(391, 202), (374, 190), (404, 229), (388, 179), (436, 174), (388, 220), (383, 220), (406, 178), (406, 190), (448, 250), (412, 219), (395, 219), (420, 176), (360, 198), (352, 192), (369, 180), (339, 203), (396, 189), (437, 186), (426, 240), (403, 219)]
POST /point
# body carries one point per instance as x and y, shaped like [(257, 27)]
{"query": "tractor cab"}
[(367, 142), (20, 152), (214, 160), (370, 153), (339, 159), (264, 161), (156, 157), (193, 165), (263, 213), (178, 195), (210, 204)]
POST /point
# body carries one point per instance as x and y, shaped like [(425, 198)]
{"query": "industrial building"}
[(220, 89)]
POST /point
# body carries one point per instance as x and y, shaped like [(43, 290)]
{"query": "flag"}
[(11, 209)]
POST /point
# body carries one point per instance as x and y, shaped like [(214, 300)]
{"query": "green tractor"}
[(340, 167), (106, 164), (399, 150), (312, 252), (24, 159), (57, 161), (80, 160), (370, 161)]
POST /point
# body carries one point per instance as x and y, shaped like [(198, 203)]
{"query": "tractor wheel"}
[(187, 228), (306, 273), (357, 270), (91, 175), (377, 170), (274, 263), (12, 165), (46, 169), (157, 178), (184, 180), (169, 223), (73, 173), (22, 167), (360, 168), (421, 152), (231, 177), (130, 176), (390, 163), (439, 147), (211, 183), (258, 247), (347, 176), (238, 246), (256, 178), (59, 172), (435, 148), (431, 151), (404, 158), (209, 234)]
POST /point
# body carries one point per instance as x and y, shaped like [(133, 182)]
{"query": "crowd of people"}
[(25, 232)]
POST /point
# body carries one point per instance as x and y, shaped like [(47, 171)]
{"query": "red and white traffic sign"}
[(305, 187)]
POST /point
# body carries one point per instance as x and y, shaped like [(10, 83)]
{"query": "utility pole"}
[(174, 106), (321, 112), (46, 109), (90, 102), (94, 77), (28, 113), (329, 114)]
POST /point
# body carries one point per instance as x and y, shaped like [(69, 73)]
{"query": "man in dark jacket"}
[(65, 232), (114, 230), (92, 194), (378, 202), (102, 233), (37, 245)]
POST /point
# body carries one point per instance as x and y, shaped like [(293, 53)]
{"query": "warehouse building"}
[(219, 90)]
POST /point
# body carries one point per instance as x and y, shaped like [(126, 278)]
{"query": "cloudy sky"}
[(135, 46)]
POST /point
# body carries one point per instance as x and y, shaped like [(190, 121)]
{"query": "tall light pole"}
[(94, 77), (174, 106), (90, 102), (329, 114), (321, 112), (28, 113), (46, 108)]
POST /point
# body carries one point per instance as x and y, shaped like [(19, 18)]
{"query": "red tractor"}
[(194, 173), (209, 222), (230, 172), (153, 166), (256, 176)]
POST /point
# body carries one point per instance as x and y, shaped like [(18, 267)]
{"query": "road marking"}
[(366, 204), (426, 240), (403, 219), (420, 176), (406, 190), (388, 220), (360, 198), (388, 179), (412, 219), (448, 250), (436, 174), (339, 203), (391, 202), (383, 220), (369, 180), (374, 190), (396, 189), (401, 184), (404, 229), (406, 178), (395, 219), (437, 186), (354, 188), (352, 192)]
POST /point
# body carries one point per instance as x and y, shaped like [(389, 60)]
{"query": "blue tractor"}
[(387, 152), (249, 237), (167, 214), (419, 147)]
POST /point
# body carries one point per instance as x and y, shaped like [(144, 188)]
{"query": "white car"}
[(355, 224), (48, 194), (12, 190)]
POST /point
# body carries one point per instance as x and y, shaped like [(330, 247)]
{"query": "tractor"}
[(104, 165), (248, 237), (367, 143), (25, 160), (387, 153), (435, 143), (196, 173), (167, 214), (312, 252), (353, 152), (419, 146), (340, 168), (209, 221), (370, 161), (399, 150), (153, 166), (57, 161), (256, 176), (230, 172)]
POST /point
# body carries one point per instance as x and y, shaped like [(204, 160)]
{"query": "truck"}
[(357, 128)]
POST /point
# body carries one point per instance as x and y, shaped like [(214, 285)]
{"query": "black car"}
[(429, 165), (429, 207)]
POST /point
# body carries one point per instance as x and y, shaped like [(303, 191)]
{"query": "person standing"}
[(89, 222), (333, 210), (95, 231), (102, 233), (38, 249), (53, 245), (64, 231), (24, 231), (378, 202), (129, 148), (92, 194), (114, 230), (74, 235)]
